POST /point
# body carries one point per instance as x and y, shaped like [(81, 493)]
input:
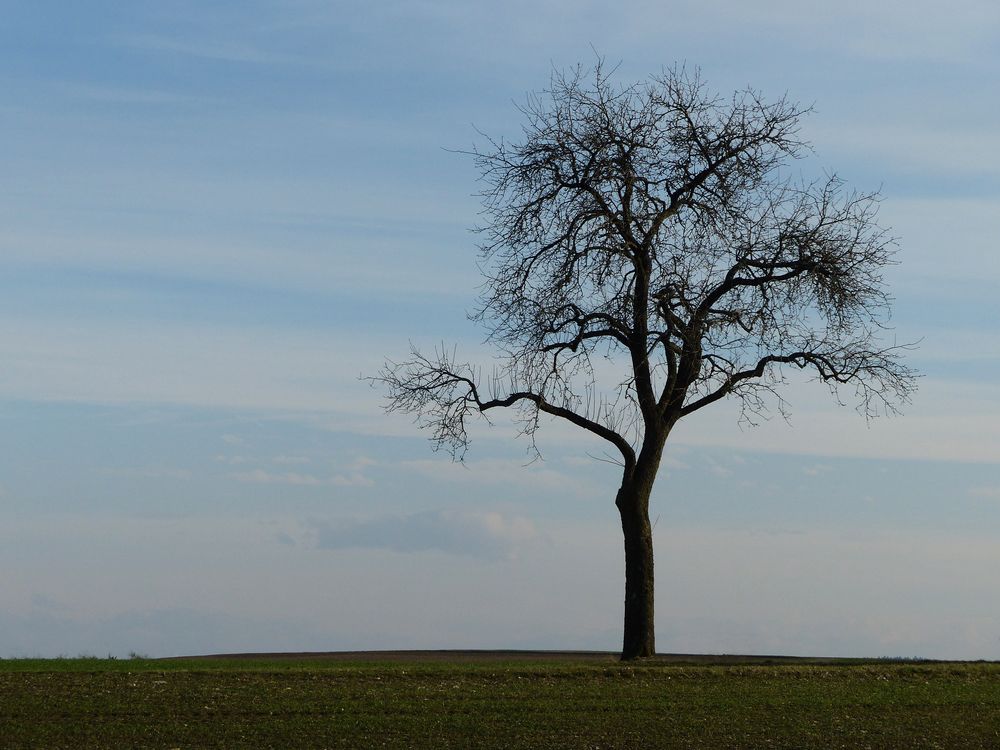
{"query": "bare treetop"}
[(655, 222), (652, 231)]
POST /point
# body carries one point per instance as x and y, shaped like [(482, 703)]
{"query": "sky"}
[(216, 217)]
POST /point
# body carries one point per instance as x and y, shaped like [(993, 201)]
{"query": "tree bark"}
[(633, 505), (639, 638)]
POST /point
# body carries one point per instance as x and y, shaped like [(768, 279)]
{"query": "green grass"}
[(93, 703)]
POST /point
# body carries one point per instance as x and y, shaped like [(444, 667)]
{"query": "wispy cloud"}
[(351, 476), (290, 460), (719, 470), (146, 361), (949, 420), (481, 534), (231, 460), (939, 148), (147, 472), (916, 30), (354, 474), (235, 51), (259, 476), (500, 471), (354, 479), (988, 493)]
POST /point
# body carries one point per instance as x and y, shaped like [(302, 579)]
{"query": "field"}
[(496, 701)]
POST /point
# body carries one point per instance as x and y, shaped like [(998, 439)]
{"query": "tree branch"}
[(874, 372), (443, 395)]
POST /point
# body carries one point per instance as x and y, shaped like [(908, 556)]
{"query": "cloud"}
[(290, 460), (353, 476), (505, 472), (233, 52), (988, 493), (104, 361), (941, 148), (481, 534), (127, 96), (147, 472), (233, 460), (949, 420), (259, 476), (969, 235), (918, 30), (719, 470), (354, 479), (673, 463)]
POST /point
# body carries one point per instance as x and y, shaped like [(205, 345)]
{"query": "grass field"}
[(587, 702)]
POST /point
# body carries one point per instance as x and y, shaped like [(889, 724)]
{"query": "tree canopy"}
[(656, 231)]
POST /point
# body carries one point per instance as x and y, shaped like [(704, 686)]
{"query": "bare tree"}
[(655, 226)]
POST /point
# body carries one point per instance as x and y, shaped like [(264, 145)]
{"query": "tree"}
[(656, 226)]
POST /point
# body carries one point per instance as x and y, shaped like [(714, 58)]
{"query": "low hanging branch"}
[(653, 226)]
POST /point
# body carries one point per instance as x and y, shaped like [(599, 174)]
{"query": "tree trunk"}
[(633, 505)]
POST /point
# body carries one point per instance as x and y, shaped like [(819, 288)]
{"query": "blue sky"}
[(216, 216)]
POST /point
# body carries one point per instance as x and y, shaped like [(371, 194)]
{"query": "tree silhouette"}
[(655, 226)]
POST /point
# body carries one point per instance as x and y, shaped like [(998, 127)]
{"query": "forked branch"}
[(444, 395)]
